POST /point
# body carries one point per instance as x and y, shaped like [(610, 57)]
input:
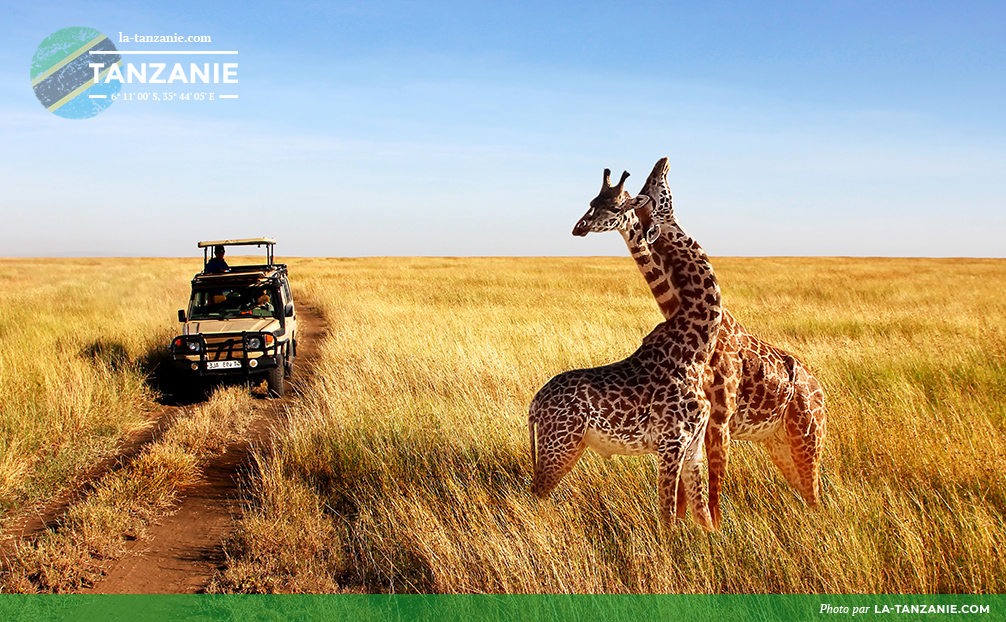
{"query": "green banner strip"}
[(488, 608)]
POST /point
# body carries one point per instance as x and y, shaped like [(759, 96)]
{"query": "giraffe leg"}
[(795, 455), (805, 427), (721, 391), (691, 475), (722, 394), (668, 473), (690, 479), (717, 457), (680, 452), (779, 450), (717, 447)]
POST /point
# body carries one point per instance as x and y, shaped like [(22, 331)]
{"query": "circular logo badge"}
[(69, 72)]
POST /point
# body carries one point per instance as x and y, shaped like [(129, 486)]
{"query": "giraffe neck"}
[(691, 274), (652, 267)]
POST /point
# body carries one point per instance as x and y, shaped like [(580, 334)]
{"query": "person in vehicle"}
[(262, 303), (217, 264)]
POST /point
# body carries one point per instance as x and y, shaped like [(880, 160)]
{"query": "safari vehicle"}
[(240, 323)]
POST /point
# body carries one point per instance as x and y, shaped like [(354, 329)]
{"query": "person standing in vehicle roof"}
[(217, 264)]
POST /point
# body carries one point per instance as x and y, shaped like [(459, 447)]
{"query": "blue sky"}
[(426, 128)]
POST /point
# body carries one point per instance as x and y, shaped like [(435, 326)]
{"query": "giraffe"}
[(652, 402), (758, 392)]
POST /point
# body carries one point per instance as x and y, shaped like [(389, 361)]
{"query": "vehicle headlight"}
[(254, 343), (193, 346)]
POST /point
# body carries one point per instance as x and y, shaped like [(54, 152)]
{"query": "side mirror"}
[(181, 315), (288, 311)]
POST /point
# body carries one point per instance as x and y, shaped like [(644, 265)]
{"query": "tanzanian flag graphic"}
[(63, 78)]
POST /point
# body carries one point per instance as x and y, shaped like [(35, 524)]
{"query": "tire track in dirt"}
[(185, 548), (41, 516)]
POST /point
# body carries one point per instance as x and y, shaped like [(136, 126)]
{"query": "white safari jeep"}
[(241, 321)]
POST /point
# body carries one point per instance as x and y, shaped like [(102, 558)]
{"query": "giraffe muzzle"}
[(581, 229)]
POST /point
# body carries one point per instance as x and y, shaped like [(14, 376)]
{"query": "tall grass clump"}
[(405, 466), (79, 338)]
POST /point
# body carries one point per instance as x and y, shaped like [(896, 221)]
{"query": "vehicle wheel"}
[(275, 381)]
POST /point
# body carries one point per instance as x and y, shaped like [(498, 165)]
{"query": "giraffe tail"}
[(533, 440)]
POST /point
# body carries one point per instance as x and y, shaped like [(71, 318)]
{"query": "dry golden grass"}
[(125, 502), (405, 465), (79, 336), (207, 428), (288, 545), (68, 557), (82, 336), (409, 452)]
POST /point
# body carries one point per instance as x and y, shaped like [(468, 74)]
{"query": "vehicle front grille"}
[(224, 347)]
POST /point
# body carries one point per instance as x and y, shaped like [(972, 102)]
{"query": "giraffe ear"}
[(653, 233), (637, 202)]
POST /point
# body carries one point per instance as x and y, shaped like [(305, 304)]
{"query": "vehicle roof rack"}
[(269, 243), (245, 242)]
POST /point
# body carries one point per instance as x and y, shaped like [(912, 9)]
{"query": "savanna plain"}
[(402, 463)]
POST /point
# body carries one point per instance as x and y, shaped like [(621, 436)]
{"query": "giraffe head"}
[(654, 200), (605, 213)]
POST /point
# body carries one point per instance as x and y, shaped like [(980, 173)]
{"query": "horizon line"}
[(193, 257)]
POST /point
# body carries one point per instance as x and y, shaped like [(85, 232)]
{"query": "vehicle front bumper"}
[(245, 366)]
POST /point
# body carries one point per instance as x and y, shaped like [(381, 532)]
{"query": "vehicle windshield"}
[(226, 303)]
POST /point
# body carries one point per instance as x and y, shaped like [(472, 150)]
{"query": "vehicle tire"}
[(274, 379)]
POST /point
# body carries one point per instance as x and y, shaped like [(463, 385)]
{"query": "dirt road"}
[(185, 548)]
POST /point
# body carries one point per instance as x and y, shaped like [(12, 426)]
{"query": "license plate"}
[(223, 365)]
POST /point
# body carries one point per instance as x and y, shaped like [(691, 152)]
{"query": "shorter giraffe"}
[(652, 402), (758, 392)]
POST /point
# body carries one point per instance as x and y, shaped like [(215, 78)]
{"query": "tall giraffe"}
[(652, 402), (758, 392)]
